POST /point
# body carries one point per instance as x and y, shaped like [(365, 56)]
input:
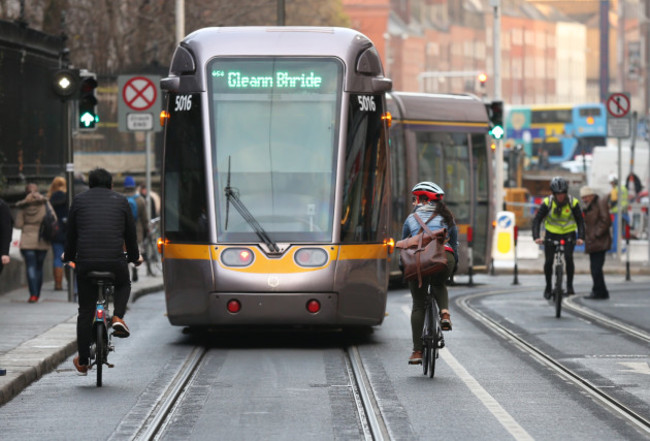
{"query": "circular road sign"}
[(618, 104), (139, 93)]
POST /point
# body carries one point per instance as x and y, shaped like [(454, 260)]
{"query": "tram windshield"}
[(276, 122)]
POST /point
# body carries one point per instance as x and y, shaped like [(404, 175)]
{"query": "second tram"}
[(444, 139), (275, 178)]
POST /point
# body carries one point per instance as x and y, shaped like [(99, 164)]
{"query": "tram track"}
[(164, 407), (601, 396), (367, 408), (162, 410)]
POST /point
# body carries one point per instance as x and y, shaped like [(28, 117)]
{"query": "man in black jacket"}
[(100, 225), (6, 223)]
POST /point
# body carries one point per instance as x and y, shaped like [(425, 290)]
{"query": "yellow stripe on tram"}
[(285, 264)]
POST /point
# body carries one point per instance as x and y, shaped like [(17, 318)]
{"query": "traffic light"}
[(87, 117), (482, 79), (64, 83), (496, 117)]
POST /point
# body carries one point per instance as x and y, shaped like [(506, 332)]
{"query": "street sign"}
[(618, 104), (619, 127), (139, 103)]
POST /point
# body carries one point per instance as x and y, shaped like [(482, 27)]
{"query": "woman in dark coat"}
[(598, 239)]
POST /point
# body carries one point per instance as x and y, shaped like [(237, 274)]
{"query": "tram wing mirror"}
[(171, 84), (382, 84)]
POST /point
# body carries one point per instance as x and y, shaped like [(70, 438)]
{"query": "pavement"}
[(37, 337)]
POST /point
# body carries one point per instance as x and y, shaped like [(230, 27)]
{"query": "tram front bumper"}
[(273, 308)]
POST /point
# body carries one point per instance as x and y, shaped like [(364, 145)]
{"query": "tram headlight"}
[(310, 257), (237, 257)]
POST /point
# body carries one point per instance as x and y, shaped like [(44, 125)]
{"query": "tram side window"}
[(365, 172), (482, 207), (185, 187), (444, 158)]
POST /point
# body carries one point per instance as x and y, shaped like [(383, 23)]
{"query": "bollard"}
[(627, 252), (516, 280), (470, 255)]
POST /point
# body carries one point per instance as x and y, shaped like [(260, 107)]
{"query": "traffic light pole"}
[(69, 176), (498, 162)]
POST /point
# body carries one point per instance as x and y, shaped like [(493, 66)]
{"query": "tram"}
[(444, 139), (275, 179)]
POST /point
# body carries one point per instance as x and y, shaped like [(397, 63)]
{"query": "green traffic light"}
[(88, 119), (497, 132)]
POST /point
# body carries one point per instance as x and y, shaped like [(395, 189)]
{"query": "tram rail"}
[(162, 411), (607, 400)]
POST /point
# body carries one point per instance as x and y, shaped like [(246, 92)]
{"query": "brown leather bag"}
[(423, 254)]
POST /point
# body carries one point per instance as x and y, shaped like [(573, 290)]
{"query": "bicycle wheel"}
[(100, 351), (426, 341), (437, 336), (558, 291)]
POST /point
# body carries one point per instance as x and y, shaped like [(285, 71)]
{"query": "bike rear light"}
[(100, 314), (237, 257), (233, 306), (310, 257), (561, 241), (313, 306)]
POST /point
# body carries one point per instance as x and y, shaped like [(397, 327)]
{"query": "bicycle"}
[(432, 339), (558, 270), (150, 247), (101, 341)]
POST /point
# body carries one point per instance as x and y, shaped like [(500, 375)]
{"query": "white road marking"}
[(502, 416)]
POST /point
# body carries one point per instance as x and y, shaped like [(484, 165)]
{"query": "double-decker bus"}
[(551, 134)]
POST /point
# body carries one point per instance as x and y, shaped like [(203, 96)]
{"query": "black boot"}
[(134, 274)]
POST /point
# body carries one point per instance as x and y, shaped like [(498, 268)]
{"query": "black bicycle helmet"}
[(431, 190), (559, 185)]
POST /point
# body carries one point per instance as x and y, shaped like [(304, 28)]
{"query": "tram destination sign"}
[(274, 76)]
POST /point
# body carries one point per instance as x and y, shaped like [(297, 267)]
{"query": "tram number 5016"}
[(367, 103), (183, 103)]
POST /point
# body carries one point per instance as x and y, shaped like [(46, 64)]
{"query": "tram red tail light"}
[(313, 306), (237, 257), (470, 235), (233, 306)]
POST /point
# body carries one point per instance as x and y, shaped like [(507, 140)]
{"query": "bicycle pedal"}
[(110, 365), (441, 344)]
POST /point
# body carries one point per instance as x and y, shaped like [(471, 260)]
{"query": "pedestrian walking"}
[(58, 197), (598, 239), (33, 247), (6, 227), (139, 211)]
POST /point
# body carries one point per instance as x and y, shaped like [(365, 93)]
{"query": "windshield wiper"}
[(232, 197)]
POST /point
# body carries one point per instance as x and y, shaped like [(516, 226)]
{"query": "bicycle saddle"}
[(106, 275)]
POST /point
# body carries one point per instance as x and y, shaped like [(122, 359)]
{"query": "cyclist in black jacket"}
[(100, 226)]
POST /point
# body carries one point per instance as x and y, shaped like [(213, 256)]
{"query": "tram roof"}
[(276, 40), (440, 107)]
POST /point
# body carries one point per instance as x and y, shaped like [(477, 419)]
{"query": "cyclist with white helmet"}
[(435, 213), (563, 218)]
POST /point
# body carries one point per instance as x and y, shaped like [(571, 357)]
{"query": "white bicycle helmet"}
[(431, 190)]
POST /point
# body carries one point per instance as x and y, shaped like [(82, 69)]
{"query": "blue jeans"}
[(34, 264), (57, 250)]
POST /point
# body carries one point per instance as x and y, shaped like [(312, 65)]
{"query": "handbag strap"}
[(423, 225)]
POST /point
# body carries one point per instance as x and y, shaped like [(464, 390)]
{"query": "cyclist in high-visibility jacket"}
[(563, 218)]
